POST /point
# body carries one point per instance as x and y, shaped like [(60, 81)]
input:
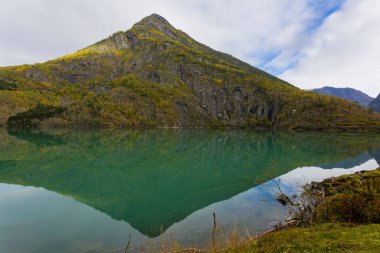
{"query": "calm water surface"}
[(87, 191)]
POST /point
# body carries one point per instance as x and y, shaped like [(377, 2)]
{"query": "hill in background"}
[(346, 93)]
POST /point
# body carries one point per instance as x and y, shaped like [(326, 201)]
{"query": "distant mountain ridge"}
[(346, 93), (154, 75), (375, 104)]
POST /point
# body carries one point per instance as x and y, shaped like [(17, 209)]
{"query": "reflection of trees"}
[(38, 138)]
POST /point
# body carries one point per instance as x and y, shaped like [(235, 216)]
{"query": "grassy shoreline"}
[(327, 237), (345, 218)]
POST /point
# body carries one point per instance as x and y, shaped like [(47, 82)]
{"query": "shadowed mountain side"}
[(154, 75), (375, 104), (152, 179)]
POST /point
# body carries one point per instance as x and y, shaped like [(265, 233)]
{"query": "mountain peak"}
[(150, 26), (155, 21), (155, 18)]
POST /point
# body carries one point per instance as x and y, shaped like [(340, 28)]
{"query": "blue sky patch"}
[(322, 9)]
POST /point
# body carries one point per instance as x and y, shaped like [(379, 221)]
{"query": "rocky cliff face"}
[(346, 93), (375, 104), (155, 75)]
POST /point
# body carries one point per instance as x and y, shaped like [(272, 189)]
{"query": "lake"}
[(88, 191)]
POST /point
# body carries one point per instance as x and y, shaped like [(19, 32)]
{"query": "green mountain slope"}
[(155, 75)]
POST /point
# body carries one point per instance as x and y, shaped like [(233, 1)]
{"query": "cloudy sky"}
[(310, 43)]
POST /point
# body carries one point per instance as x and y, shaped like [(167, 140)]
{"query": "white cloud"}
[(43, 29), (344, 52)]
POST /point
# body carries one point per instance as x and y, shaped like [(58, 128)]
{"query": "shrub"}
[(4, 85), (39, 113)]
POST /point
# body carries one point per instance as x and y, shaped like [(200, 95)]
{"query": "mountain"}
[(375, 104), (346, 93), (154, 75)]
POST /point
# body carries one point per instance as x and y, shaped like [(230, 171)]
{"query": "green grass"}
[(330, 237)]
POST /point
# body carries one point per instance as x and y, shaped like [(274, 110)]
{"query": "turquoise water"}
[(87, 191)]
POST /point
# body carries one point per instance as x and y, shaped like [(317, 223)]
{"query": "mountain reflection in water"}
[(159, 179)]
